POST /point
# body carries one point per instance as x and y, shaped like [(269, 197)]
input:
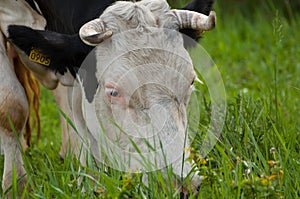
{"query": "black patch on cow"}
[(201, 6), (68, 16), (65, 51), (87, 74)]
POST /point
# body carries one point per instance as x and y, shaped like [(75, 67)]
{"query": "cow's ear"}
[(24, 37), (63, 52)]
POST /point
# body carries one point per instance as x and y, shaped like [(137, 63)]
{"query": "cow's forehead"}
[(128, 15), (145, 63), (131, 49), (140, 37), (151, 72)]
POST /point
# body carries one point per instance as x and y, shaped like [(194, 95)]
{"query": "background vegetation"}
[(256, 48)]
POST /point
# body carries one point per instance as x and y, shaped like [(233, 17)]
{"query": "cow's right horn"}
[(93, 32), (194, 20)]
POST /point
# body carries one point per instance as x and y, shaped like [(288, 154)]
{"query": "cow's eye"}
[(111, 92)]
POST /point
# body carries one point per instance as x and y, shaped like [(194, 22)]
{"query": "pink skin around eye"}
[(119, 98)]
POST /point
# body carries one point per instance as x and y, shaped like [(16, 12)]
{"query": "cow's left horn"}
[(195, 20), (93, 32)]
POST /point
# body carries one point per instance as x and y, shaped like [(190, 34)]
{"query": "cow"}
[(63, 70), (14, 100)]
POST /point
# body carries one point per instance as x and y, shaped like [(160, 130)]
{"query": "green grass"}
[(257, 156)]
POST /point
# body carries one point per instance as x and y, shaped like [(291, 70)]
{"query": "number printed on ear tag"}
[(38, 57)]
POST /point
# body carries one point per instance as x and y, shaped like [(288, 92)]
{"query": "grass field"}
[(258, 153)]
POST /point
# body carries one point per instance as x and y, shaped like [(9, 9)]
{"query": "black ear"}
[(64, 51), (201, 6)]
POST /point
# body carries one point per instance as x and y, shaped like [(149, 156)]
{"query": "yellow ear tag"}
[(38, 57)]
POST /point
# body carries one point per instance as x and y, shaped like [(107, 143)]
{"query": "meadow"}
[(257, 52)]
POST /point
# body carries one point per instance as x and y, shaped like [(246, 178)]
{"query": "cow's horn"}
[(194, 20), (93, 32)]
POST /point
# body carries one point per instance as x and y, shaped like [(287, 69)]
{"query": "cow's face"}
[(143, 89), (144, 74)]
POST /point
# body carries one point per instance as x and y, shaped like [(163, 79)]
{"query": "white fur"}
[(139, 58), (11, 94)]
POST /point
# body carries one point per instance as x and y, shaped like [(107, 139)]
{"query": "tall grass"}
[(258, 55)]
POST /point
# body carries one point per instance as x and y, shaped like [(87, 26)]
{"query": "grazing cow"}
[(144, 78), (66, 53)]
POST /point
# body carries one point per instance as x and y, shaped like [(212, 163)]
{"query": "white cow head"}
[(144, 79)]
